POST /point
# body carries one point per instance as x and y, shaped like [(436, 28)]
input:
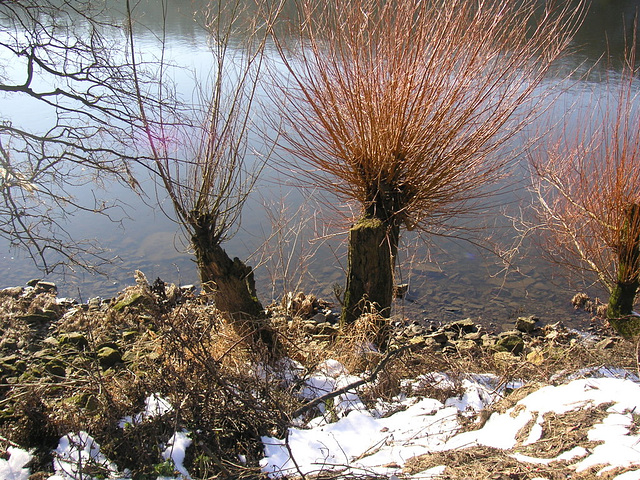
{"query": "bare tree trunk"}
[(230, 281), (373, 246), (623, 294), (232, 284)]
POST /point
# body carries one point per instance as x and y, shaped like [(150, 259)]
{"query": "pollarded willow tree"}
[(104, 109), (406, 106), (586, 186), (201, 156)]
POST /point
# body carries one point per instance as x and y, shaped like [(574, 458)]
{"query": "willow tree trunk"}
[(373, 246), (233, 288), (623, 293)]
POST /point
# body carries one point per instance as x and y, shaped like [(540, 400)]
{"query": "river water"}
[(447, 279)]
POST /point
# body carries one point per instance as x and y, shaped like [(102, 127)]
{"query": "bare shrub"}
[(585, 183)]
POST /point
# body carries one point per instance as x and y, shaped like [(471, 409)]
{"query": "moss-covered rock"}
[(527, 324), (134, 299), (56, 367), (43, 317), (77, 339), (109, 356), (627, 326), (510, 343)]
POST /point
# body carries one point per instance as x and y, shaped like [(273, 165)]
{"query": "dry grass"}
[(558, 431), (559, 434), (485, 463)]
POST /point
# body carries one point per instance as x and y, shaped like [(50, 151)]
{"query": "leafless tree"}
[(586, 183), (406, 107), (208, 174), (112, 107), (59, 67)]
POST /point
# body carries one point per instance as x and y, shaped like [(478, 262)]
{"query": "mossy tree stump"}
[(371, 261)]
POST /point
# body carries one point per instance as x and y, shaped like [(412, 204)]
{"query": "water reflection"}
[(448, 280)]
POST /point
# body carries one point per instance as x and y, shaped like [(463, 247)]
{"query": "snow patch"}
[(14, 468)]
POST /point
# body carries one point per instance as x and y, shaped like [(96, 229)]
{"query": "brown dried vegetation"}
[(224, 388)]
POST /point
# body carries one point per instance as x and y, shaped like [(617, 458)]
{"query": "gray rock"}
[(463, 326), (439, 337), (466, 345), (49, 287), (319, 318), (51, 342), (475, 336)]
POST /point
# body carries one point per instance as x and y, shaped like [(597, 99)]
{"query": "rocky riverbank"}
[(67, 366)]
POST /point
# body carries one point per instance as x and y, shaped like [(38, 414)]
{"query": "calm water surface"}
[(448, 280)]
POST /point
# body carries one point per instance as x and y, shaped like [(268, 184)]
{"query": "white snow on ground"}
[(347, 436), (154, 406), (78, 453), (363, 442), (176, 450), (14, 468)]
